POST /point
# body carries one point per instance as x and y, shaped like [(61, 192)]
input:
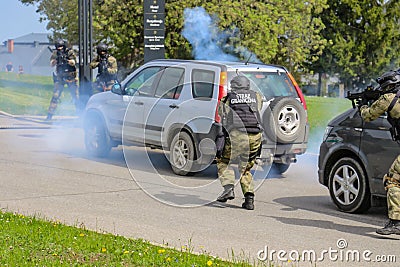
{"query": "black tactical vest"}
[(244, 114)]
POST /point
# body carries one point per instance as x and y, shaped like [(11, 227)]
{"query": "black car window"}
[(202, 84), (142, 83), (171, 82)]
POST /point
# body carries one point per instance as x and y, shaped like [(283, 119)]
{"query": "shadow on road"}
[(323, 204)]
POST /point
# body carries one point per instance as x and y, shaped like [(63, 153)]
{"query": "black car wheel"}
[(279, 168), (285, 120), (182, 154), (97, 140), (348, 186)]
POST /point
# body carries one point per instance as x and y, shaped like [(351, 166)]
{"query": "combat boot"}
[(391, 227), (248, 201), (228, 193)]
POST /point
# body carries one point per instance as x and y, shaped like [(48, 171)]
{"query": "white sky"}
[(18, 19)]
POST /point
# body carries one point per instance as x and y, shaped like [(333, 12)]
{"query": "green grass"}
[(30, 95), (322, 109), (30, 241)]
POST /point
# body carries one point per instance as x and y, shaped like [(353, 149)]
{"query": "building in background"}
[(30, 52)]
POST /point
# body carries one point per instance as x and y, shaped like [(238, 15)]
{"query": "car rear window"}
[(270, 84), (202, 84)]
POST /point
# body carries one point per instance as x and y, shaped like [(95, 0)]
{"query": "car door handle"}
[(139, 103), (173, 106)]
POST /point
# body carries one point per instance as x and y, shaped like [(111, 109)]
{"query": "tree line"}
[(356, 40)]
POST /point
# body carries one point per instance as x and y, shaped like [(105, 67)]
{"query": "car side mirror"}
[(117, 88)]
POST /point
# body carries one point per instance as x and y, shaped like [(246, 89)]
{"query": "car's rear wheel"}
[(348, 186), (181, 154), (285, 120), (97, 140), (280, 167)]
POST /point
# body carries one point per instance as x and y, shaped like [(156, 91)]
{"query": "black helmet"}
[(60, 43), (240, 82), (388, 80), (102, 47)]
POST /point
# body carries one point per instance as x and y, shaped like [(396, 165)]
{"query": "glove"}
[(71, 62), (94, 64)]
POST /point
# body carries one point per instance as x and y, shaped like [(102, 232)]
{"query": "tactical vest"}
[(63, 68), (244, 115), (103, 74), (394, 122)]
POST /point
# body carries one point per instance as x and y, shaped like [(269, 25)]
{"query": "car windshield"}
[(270, 84)]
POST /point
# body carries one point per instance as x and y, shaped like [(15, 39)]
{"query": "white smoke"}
[(209, 42)]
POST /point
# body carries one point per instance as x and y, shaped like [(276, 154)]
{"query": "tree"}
[(363, 40), (276, 32)]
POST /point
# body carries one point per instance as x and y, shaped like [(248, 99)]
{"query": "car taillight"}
[(298, 90), (222, 88)]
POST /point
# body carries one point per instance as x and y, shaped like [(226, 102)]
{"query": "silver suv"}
[(172, 105)]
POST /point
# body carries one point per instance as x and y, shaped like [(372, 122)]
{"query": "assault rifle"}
[(369, 94), (102, 71), (62, 62)]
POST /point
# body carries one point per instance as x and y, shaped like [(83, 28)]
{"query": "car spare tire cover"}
[(284, 120)]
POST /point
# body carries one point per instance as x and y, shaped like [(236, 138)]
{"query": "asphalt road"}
[(45, 171)]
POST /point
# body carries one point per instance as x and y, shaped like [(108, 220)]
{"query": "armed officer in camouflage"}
[(388, 102), (107, 69), (64, 59), (239, 110)]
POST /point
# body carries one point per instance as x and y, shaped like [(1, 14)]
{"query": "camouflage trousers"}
[(242, 148), (392, 186), (58, 89)]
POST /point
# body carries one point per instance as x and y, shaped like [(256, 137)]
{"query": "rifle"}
[(369, 94), (62, 62), (102, 75)]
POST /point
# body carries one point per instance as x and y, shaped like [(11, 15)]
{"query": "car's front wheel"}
[(97, 140), (348, 186), (181, 154)]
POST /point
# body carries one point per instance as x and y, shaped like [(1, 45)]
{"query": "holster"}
[(220, 144)]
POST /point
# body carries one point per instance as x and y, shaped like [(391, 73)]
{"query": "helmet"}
[(388, 80), (60, 43), (102, 47), (240, 82)]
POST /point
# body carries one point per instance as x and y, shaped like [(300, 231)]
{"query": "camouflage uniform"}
[(240, 146), (392, 178), (65, 75), (105, 84)]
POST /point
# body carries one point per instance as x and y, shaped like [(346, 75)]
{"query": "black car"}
[(353, 158)]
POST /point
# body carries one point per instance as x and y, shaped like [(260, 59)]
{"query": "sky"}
[(18, 20)]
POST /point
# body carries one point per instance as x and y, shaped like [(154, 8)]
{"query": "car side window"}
[(171, 83), (202, 84), (142, 83)]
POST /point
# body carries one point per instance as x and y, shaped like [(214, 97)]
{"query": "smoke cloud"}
[(209, 42)]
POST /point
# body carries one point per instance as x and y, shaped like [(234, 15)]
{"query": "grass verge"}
[(31, 95), (31, 241)]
